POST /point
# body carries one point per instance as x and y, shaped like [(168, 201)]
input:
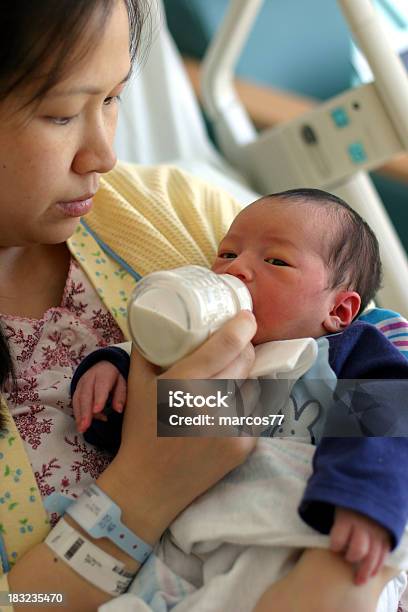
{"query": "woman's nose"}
[(96, 152)]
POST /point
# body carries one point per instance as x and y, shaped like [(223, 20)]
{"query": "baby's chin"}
[(263, 336)]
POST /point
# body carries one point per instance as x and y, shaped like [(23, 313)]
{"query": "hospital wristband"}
[(99, 516), (88, 560)]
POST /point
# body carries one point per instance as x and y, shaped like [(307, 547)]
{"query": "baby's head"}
[(310, 262)]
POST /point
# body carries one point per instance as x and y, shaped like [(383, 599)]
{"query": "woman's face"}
[(51, 157)]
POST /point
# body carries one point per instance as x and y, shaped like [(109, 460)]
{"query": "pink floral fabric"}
[(46, 353)]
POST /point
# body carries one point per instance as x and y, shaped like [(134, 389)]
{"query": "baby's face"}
[(275, 248)]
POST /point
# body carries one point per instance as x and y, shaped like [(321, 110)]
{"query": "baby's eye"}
[(276, 262), (227, 255), (111, 99)]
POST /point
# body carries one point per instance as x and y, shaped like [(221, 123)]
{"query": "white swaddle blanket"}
[(227, 548)]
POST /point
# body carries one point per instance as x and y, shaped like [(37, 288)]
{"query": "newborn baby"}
[(311, 265)]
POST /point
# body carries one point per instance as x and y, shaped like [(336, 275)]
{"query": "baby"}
[(311, 265)]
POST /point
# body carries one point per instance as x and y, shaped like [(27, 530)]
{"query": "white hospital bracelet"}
[(88, 560)]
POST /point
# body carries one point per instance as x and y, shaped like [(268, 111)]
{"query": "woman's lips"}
[(77, 208)]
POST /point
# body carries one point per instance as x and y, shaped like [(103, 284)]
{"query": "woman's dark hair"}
[(353, 254), (39, 46), (6, 362), (6, 366), (38, 38)]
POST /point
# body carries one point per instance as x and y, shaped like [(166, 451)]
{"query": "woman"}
[(63, 67)]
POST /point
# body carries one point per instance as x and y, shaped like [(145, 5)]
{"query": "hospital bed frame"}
[(331, 147)]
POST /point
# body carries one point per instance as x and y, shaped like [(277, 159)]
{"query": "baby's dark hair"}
[(353, 254)]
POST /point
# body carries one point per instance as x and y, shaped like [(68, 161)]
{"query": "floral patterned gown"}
[(46, 353)]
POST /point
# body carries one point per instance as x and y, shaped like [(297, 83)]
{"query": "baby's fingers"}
[(340, 535), (381, 559), (370, 564), (82, 403), (119, 394), (101, 391), (358, 546)]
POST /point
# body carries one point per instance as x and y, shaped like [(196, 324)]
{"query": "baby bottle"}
[(172, 312)]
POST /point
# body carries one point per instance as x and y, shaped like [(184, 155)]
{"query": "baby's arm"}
[(366, 475), (361, 540), (93, 390), (101, 375)]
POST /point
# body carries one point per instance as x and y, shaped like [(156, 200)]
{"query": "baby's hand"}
[(361, 540), (92, 393)]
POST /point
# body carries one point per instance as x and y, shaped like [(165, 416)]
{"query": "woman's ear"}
[(346, 306)]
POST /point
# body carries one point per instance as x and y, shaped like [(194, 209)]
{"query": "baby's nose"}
[(240, 268)]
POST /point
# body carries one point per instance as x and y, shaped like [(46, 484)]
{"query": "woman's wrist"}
[(135, 512), (140, 500)]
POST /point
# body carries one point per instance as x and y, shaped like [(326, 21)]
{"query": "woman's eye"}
[(276, 262), (227, 255), (60, 120), (66, 120)]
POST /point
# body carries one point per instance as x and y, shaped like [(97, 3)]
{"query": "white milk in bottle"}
[(172, 312)]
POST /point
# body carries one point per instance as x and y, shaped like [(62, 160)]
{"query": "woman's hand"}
[(227, 354), (163, 475)]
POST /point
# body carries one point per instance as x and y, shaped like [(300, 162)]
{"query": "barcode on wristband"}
[(123, 572), (89, 561), (74, 549)]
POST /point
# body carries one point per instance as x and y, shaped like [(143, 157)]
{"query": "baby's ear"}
[(346, 306)]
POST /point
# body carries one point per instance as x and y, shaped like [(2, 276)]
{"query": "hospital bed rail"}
[(332, 146)]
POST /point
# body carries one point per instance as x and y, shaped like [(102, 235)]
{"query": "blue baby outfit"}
[(365, 471)]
